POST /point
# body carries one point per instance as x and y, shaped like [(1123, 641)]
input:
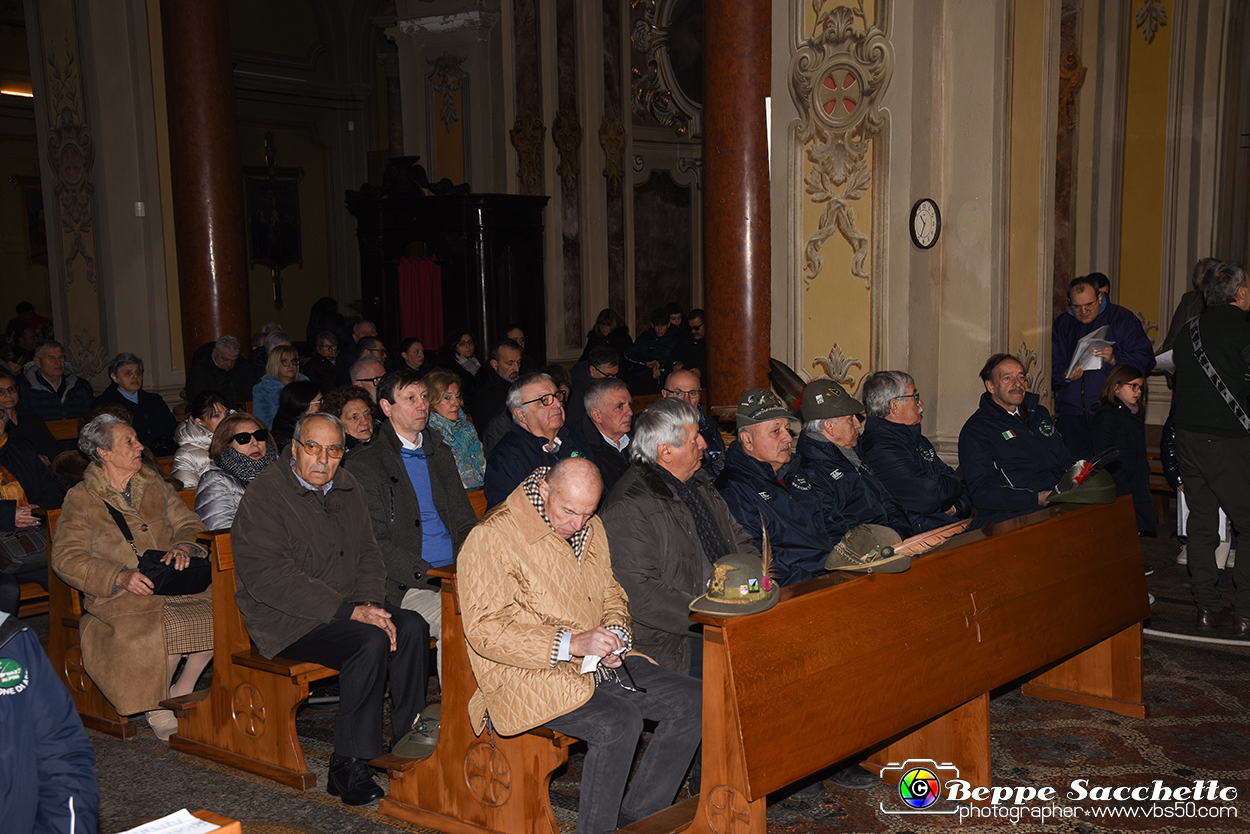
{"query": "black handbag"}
[(24, 550), (166, 579)]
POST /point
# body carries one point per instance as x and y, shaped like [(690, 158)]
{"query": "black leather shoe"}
[(1215, 619), (352, 781), (1241, 625)]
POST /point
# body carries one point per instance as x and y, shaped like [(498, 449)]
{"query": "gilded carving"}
[(1071, 77), (838, 367), (71, 153), (612, 140), (447, 77), (1150, 17), (656, 92), (837, 77), (527, 137), (566, 132)]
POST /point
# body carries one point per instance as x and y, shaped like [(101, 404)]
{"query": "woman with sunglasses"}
[(1120, 420), (242, 447), (281, 370)]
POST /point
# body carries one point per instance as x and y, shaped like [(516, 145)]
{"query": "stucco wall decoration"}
[(1034, 377), (1150, 17), (612, 140), (838, 367), (837, 77), (447, 77), (527, 137), (71, 153)]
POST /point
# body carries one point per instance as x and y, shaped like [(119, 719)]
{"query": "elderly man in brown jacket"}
[(312, 587), (538, 598)]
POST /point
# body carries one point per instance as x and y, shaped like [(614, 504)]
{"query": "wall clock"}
[(926, 223)]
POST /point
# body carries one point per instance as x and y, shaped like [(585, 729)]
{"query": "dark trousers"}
[(611, 722), (1216, 473), (1077, 431), (362, 654)]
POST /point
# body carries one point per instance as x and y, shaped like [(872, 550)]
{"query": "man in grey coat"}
[(421, 514), (666, 526)]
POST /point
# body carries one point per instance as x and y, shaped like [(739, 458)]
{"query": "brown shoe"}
[(1215, 619), (1241, 625)]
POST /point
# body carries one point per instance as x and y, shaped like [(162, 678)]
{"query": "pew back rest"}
[(805, 681)]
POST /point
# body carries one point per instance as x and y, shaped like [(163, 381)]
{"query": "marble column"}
[(737, 56), (206, 173)]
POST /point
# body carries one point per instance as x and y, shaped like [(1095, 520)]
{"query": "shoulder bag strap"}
[(123, 526), (1209, 369)]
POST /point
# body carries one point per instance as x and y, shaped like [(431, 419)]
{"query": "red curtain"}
[(421, 300)]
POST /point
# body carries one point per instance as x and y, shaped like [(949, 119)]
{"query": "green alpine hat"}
[(738, 586), (759, 405), (868, 548)]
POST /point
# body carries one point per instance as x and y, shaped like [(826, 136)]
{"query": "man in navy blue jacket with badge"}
[(1011, 455), (762, 483)]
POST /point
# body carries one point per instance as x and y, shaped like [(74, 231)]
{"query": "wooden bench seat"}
[(65, 651), (1055, 599), (34, 601), (247, 718), (486, 783)]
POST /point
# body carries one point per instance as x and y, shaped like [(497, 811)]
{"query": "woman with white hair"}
[(132, 638)]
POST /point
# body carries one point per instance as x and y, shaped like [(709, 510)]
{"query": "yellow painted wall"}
[(449, 144), (301, 286), (1029, 143), (1145, 151), (23, 279), (837, 306)]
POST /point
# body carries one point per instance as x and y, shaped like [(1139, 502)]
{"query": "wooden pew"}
[(474, 783), (33, 602), (63, 429), (65, 651), (247, 719), (904, 663), (477, 499)]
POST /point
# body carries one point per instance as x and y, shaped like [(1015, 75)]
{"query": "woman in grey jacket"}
[(194, 435), (242, 447)]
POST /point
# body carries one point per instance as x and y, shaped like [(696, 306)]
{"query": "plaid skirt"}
[(188, 624)]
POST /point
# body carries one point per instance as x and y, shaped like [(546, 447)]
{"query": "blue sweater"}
[(1074, 397)]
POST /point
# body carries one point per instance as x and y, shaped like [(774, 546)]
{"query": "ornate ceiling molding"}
[(837, 78), (656, 93)]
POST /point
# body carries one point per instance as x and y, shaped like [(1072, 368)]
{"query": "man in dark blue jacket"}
[(1077, 393), (930, 492), (538, 437), (1011, 455), (851, 493), (47, 765), (762, 485)]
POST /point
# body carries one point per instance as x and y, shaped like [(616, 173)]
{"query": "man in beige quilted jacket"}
[(538, 598)]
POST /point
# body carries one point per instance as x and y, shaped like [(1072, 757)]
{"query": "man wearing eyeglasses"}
[(363, 329), (538, 437), (685, 384), (421, 513), (538, 596), (602, 362), (1076, 393), (312, 587), (367, 373), (929, 491)]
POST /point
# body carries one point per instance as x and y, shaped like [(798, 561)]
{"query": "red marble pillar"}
[(206, 173), (737, 57)]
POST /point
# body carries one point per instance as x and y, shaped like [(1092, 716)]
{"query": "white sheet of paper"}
[(1164, 362), (179, 822), (1083, 355), (1182, 518)]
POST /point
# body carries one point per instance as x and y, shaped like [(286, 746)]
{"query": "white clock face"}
[(925, 223)]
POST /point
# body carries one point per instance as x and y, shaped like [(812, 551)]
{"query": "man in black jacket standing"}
[(1213, 438)]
